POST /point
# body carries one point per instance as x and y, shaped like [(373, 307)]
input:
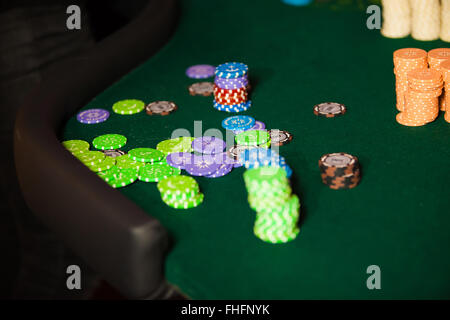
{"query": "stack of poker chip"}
[(230, 87), (422, 98), (259, 157), (277, 209), (445, 69), (340, 170), (435, 58), (406, 60), (180, 192)]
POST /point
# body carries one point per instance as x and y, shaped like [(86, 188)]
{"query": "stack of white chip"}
[(426, 19), (396, 18), (445, 19)]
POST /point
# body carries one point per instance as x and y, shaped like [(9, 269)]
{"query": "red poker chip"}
[(231, 101), (230, 92)]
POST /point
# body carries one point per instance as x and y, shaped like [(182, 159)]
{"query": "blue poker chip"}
[(297, 2), (231, 70), (233, 108), (258, 157), (238, 123)]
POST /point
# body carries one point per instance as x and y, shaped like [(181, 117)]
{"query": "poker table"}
[(397, 218)]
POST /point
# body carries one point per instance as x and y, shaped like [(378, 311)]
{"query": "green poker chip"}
[(125, 162), (123, 178), (109, 141), (109, 174), (265, 177), (154, 172), (181, 144), (90, 158), (178, 185), (185, 204), (130, 106), (253, 138), (103, 165), (279, 225), (146, 155), (76, 146)]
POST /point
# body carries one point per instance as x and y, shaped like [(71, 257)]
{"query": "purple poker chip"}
[(200, 71), (208, 145), (202, 166), (259, 125), (231, 84), (224, 169), (180, 159), (91, 116)]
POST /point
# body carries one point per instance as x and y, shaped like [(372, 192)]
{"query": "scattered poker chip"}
[(185, 204), (162, 108), (105, 164), (109, 141), (113, 153), (202, 166), (231, 70), (123, 178), (234, 107), (258, 126), (92, 116), (201, 89), (235, 151), (208, 145), (178, 185), (180, 144), (179, 159), (127, 107), (231, 84), (109, 174), (329, 109), (76, 146), (280, 137), (125, 162), (200, 71), (238, 123), (146, 155), (223, 170), (90, 158), (297, 2), (155, 172), (252, 138)]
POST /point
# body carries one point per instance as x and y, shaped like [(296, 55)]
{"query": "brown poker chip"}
[(201, 89), (280, 137), (162, 108), (329, 109), (340, 170)]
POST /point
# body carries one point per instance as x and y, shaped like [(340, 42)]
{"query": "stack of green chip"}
[(270, 195), (180, 192)]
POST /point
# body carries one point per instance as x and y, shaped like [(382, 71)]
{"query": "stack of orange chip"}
[(435, 58), (445, 69), (422, 98), (406, 60)]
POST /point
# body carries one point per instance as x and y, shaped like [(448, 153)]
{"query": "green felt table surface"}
[(398, 217)]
